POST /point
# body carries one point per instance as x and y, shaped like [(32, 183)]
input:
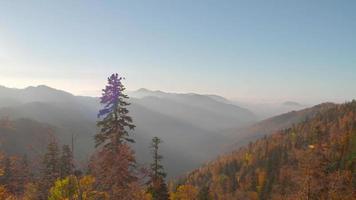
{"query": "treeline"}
[(112, 172), (315, 159)]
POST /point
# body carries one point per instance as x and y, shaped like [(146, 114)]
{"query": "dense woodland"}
[(314, 159), (112, 172)]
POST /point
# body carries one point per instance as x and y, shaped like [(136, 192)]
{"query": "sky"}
[(250, 50)]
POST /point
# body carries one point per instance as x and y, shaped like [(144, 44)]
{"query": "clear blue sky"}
[(302, 50)]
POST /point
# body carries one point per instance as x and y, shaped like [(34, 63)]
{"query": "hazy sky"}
[(302, 50)]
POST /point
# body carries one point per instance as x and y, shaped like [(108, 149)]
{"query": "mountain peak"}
[(40, 93), (143, 90), (39, 87)]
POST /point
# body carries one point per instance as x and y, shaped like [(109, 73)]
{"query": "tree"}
[(186, 192), (114, 171), (74, 189), (67, 166), (115, 119), (31, 192), (50, 169), (114, 163), (4, 194), (157, 186), (204, 193)]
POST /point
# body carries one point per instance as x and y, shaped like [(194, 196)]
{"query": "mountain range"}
[(189, 124), (194, 128)]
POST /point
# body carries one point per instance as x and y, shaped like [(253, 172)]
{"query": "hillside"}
[(244, 135), (314, 159), (25, 137)]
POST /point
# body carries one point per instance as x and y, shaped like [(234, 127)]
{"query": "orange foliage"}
[(315, 159)]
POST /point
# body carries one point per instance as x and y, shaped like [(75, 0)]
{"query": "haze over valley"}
[(177, 100)]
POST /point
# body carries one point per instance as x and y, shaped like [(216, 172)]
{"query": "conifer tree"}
[(114, 163), (157, 186), (67, 165), (50, 169), (115, 120)]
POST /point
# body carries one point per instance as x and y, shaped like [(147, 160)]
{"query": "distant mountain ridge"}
[(204, 109), (185, 122), (32, 94)]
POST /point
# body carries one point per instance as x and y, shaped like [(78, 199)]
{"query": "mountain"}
[(209, 112), (40, 93), (314, 159), (189, 124)]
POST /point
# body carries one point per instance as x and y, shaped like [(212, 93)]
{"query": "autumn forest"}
[(313, 159), (177, 100)]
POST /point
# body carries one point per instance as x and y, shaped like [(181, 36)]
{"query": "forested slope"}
[(314, 159)]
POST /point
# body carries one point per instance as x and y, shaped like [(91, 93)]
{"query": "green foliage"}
[(115, 119), (157, 186), (50, 169), (114, 163)]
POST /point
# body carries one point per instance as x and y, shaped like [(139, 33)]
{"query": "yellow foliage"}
[(71, 188), (185, 192), (248, 158)]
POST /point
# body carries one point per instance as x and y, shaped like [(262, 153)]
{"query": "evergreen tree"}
[(67, 166), (115, 119), (50, 169), (114, 163), (157, 186)]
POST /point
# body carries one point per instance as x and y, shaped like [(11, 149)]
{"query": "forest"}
[(177, 100), (111, 173), (313, 159)]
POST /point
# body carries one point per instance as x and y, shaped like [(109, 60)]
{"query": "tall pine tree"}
[(66, 162), (114, 163), (50, 169), (157, 186), (114, 116)]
